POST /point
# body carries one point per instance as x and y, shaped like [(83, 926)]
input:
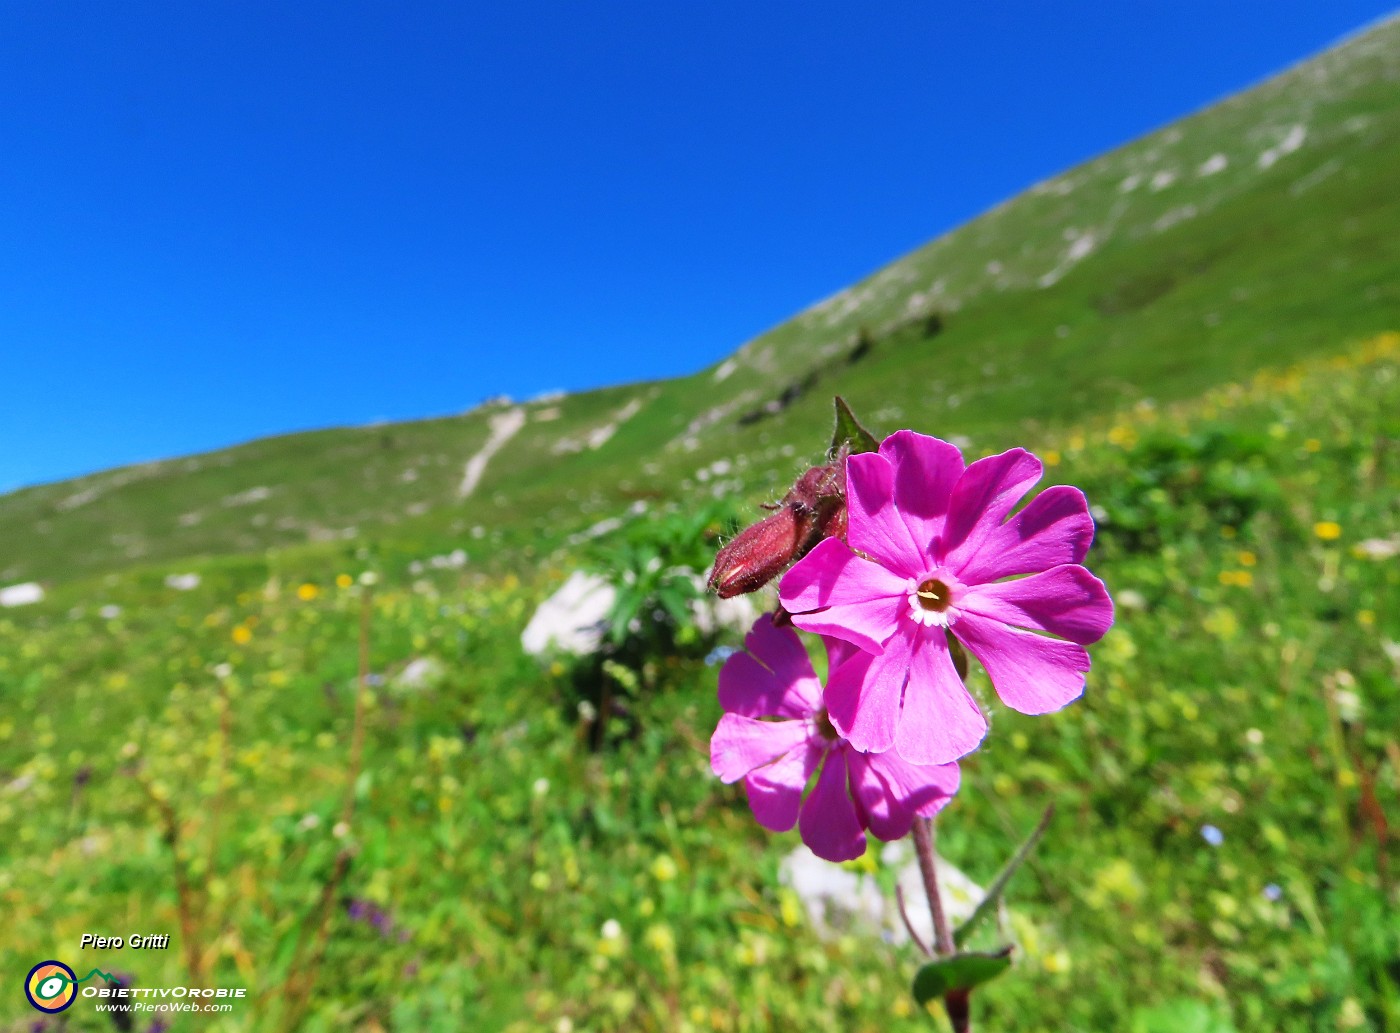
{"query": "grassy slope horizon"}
[(1253, 233)]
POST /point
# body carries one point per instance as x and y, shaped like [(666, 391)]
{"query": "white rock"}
[(712, 615), (419, 673), (22, 594), (1215, 163), (838, 900), (573, 620), (602, 527), (247, 498), (835, 899), (182, 582), (1290, 143)]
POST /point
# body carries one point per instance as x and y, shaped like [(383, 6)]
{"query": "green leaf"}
[(849, 431), (943, 976), (988, 903), (676, 603)]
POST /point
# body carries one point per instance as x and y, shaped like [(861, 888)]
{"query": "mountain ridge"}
[(1258, 229)]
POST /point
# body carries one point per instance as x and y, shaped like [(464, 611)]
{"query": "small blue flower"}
[(1272, 891), (1212, 835), (719, 654)]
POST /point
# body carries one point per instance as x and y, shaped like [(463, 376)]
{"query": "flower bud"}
[(815, 508), (759, 553)]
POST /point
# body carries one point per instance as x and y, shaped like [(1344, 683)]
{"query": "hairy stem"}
[(956, 1004), (923, 845)]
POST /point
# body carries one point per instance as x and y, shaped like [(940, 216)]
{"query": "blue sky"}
[(222, 220)]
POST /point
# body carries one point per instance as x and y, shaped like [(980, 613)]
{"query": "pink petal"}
[(1054, 528), (863, 694), (1031, 673), (829, 823), (741, 744), (773, 679), (838, 652), (986, 492), (892, 792), (925, 471), (832, 591), (1067, 601), (940, 721), (775, 792), (873, 522)]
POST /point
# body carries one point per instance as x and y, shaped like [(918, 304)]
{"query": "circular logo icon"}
[(51, 986)]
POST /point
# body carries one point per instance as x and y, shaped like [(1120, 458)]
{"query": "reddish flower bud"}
[(759, 553), (814, 509)]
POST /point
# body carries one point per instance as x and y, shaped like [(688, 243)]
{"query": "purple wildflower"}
[(928, 542), (776, 758)]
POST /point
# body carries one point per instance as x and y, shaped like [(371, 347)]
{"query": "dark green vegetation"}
[(181, 764)]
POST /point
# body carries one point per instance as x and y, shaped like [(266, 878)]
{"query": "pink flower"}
[(776, 758), (927, 544)]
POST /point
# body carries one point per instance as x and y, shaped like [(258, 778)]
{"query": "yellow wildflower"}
[(1327, 530), (307, 592), (664, 869)]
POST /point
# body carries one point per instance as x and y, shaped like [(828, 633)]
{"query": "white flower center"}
[(931, 600)]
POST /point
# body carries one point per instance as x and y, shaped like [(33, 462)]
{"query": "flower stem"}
[(908, 925), (956, 1003), (923, 845)]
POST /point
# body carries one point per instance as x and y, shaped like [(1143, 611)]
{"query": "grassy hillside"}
[(176, 761), (1264, 229), (1199, 329)]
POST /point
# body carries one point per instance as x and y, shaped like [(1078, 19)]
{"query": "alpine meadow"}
[(315, 704)]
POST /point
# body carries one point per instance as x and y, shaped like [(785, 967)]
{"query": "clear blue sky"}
[(229, 218)]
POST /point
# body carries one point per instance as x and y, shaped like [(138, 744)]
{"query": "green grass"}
[(1212, 701), (1249, 684)]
